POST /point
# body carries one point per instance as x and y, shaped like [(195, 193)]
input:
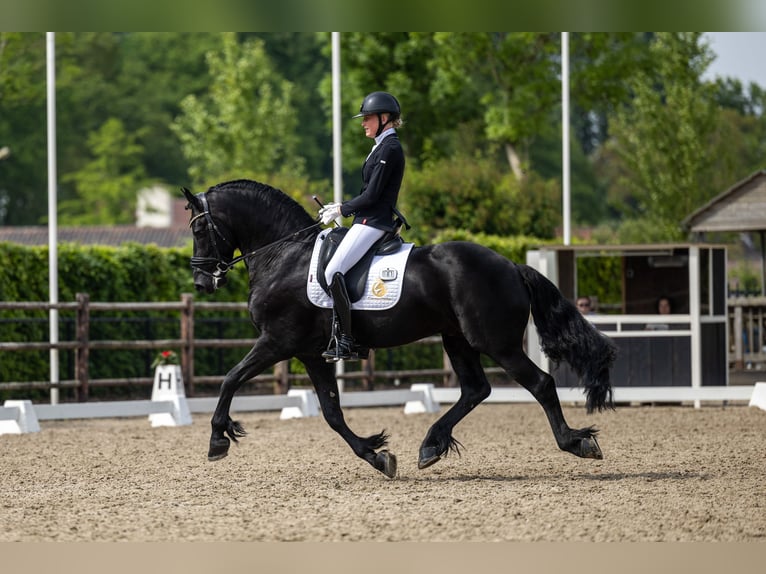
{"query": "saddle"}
[(356, 277)]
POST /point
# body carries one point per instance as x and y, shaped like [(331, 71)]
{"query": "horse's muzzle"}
[(208, 284)]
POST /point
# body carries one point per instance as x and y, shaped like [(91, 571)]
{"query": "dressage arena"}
[(670, 473)]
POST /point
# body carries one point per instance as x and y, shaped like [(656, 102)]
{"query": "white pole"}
[(565, 136), (336, 148), (52, 217), (696, 320), (336, 121)]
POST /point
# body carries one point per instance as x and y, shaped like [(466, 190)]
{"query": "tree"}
[(87, 68), (22, 127), (661, 135), (599, 68), (739, 141), (514, 79), (400, 63), (157, 70), (107, 186), (300, 58), (245, 123)]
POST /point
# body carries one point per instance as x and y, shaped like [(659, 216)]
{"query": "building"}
[(160, 219)]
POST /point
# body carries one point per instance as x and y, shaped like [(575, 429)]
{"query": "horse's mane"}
[(268, 199)]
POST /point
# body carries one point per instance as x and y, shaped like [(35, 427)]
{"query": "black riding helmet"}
[(380, 103)]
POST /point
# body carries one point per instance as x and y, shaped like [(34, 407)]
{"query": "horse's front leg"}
[(258, 359), (322, 376)]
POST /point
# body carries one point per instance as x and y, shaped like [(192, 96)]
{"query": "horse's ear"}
[(189, 196)]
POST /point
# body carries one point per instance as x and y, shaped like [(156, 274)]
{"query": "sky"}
[(739, 55)]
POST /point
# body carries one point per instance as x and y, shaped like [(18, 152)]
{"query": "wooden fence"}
[(747, 346), (82, 344), (747, 341)]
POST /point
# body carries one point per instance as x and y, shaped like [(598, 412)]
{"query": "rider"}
[(373, 210)]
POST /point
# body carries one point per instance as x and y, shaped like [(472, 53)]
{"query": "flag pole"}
[(336, 154), (52, 215), (566, 207)]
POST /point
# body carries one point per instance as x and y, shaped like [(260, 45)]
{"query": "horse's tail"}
[(566, 335)]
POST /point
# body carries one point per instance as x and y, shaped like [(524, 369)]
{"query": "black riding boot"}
[(342, 345)]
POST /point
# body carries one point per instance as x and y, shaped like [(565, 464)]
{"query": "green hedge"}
[(129, 273)]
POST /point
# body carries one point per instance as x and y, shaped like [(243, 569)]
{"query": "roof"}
[(629, 249), (742, 207), (99, 235)]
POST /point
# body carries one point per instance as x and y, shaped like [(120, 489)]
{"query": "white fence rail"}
[(17, 417)]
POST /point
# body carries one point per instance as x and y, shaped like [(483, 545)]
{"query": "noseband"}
[(203, 264)]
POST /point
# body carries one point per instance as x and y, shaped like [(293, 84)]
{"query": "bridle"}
[(222, 266)]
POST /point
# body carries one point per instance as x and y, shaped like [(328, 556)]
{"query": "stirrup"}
[(344, 350)]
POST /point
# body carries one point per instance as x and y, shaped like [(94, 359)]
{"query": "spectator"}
[(585, 305), (663, 306)]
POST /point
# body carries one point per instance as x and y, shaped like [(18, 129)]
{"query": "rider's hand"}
[(330, 212)]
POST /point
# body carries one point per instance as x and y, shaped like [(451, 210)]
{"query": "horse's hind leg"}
[(581, 442), (322, 376), (474, 388)]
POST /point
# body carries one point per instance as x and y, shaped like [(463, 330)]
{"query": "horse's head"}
[(213, 250)]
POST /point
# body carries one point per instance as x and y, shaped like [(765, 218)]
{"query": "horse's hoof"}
[(589, 448), (428, 456), (219, 448), (385, 462)]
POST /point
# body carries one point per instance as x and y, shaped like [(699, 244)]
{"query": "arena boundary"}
[(621, 394), (17, 417)]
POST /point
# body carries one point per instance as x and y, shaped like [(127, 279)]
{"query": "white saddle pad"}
[(384, 282)]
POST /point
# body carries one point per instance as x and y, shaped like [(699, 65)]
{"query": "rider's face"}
[(370, 124)]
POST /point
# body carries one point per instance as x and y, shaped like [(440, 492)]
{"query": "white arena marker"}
[(758, 398), (309, 405), (428, 404), (23, 422), (168, 386)]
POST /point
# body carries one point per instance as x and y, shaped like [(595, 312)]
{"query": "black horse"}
[(476, 299)]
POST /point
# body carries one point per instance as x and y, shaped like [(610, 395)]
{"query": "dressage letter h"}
[(165, 378)]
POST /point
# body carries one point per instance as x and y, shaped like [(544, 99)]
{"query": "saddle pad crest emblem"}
[(379, 289), (388, 274)]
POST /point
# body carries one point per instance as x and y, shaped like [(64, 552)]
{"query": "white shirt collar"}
[(385, 134)]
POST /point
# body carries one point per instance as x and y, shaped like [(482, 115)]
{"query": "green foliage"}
[(648, 230), (397, 62), (159, 69), (650, 137), (106, 186), (514, 78), (601, 278), (455, 193), (745, 277), (471, 194), (661, 136), (514, 248), (130, 273), (588, 194), (245, 122)]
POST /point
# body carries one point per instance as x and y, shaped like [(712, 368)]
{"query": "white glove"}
[(330, 212)]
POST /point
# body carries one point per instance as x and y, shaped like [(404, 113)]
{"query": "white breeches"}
[(354, 245)]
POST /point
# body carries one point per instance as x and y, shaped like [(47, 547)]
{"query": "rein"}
[(221, 266)]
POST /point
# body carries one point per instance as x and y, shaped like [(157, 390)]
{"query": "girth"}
[(356, 277)]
